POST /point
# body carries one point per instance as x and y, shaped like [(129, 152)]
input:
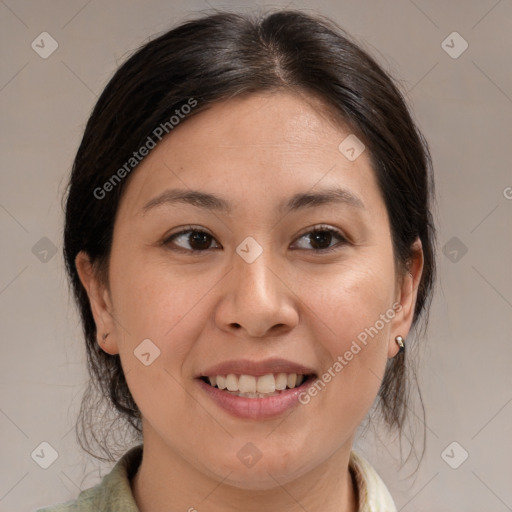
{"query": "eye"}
[(321, 237), (197, 240)]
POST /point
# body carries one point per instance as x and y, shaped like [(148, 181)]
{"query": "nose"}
[(257, 300)]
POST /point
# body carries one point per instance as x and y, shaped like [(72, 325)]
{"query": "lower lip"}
[(255, 408)]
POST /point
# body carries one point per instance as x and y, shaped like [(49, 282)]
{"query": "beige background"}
[(464, 107)]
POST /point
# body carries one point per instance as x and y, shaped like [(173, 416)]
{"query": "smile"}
[(250, 386), (252, 397)]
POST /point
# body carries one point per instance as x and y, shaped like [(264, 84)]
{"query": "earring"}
[(104, 337), (400, 342)]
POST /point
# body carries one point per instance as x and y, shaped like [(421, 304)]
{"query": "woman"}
[(249, 238)]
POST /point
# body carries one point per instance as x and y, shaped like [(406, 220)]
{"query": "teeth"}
[(266, 383), (221, 381), (247, 384), (257, 387), (255, 395), (232, 382), (281, 381)]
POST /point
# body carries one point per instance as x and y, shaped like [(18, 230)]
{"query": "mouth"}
[(256, 390), (258, 387), (255, 398)]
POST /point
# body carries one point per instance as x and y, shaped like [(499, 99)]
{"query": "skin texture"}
[(211, 307)]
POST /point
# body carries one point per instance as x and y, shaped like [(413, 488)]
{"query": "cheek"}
[(160, 303), (351, 309), (350, 298), (145, 294), (165, 308)]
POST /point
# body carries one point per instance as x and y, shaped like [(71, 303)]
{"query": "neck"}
[(167, 482)]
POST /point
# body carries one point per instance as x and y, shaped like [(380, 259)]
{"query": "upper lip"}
[(256, 368)]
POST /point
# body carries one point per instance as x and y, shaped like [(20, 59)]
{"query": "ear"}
[(406, 298), (101, 304)]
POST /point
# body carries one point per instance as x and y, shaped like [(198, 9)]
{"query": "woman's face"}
[(252, 286)]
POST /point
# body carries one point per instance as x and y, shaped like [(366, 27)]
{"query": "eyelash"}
[(316, 229)]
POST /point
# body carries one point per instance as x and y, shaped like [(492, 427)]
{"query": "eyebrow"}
[(213, 202)]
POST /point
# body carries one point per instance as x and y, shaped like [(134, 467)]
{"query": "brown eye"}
[(320, 239), (197, 240)]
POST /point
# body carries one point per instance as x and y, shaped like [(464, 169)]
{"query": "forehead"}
[(267, 145)]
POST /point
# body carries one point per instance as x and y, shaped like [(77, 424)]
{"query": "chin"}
[(263, 475)]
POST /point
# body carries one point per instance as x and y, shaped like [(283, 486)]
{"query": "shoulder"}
[(68, 506), (373, 493), (112, 494)]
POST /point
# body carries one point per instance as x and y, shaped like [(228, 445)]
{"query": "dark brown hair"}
[(214, 58)]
